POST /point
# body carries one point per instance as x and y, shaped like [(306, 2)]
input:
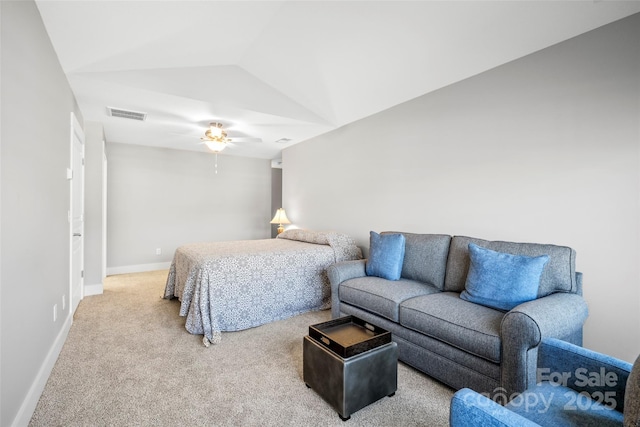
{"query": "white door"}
[(76, 215)]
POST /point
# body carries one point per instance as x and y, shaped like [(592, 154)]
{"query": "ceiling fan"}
[(215, 138)]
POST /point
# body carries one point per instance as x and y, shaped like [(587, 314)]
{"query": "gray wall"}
[(93, 212), (163, 198), (543, 149), (34, 264), (276, 196)]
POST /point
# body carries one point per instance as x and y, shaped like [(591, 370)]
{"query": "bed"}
[(236, 285)]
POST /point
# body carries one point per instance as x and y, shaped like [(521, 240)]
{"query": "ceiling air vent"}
[(283, 140), (127, 114)]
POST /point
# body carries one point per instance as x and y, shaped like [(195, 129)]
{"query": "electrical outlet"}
[(64, 302), (55, 312), (158, 251)]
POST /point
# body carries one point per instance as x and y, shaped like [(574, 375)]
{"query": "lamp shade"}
[(280, 217)]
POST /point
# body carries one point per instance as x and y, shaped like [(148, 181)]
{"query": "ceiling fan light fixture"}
[(215, 137), (215, 131), (216, 146)]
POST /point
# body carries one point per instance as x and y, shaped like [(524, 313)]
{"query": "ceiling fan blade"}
[(245, 139)]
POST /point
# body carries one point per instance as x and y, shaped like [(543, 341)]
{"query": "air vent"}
[(283, 140), (127, 114)]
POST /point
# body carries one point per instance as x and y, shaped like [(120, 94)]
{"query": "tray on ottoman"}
[(348, 336), (350, 363)]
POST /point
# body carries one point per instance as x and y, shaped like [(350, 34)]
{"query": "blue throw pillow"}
[(500, 280), (386, 254)]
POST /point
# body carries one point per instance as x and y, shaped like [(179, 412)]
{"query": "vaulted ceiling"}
[(274, 70)]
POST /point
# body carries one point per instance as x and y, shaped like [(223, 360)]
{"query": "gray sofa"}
[(458, 342)]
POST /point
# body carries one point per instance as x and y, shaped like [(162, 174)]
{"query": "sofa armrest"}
[(345, 270), (469, 408), (632, 396), (338, 273), (559, 315), (603, 377)]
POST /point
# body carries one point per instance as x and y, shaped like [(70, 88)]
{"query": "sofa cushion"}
[(559, 274), (386, 254), (445, 316), (555, 405), (380, 296), (425, 257), (502, 281)]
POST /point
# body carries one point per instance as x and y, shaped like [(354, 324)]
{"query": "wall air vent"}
[(126, 114)]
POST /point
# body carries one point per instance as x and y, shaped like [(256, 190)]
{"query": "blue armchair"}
[(575, 387)]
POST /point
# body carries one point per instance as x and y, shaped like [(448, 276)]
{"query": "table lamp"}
[(280, 218)]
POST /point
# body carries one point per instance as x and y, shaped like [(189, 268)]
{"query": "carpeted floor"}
[(128, 361)]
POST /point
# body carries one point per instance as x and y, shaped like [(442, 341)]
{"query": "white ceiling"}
[(287, 69)]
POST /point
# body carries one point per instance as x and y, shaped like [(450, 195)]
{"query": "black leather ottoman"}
[(348, 384)]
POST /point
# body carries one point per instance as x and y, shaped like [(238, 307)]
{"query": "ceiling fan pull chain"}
[(216, 163)]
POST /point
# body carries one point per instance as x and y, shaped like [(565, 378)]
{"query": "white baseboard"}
[(138, 268), (37, 387), (96, 289)]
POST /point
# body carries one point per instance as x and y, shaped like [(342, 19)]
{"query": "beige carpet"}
[(128, 361)]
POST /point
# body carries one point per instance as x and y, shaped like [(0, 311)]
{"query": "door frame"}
[(103, 270), (73, 177)]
